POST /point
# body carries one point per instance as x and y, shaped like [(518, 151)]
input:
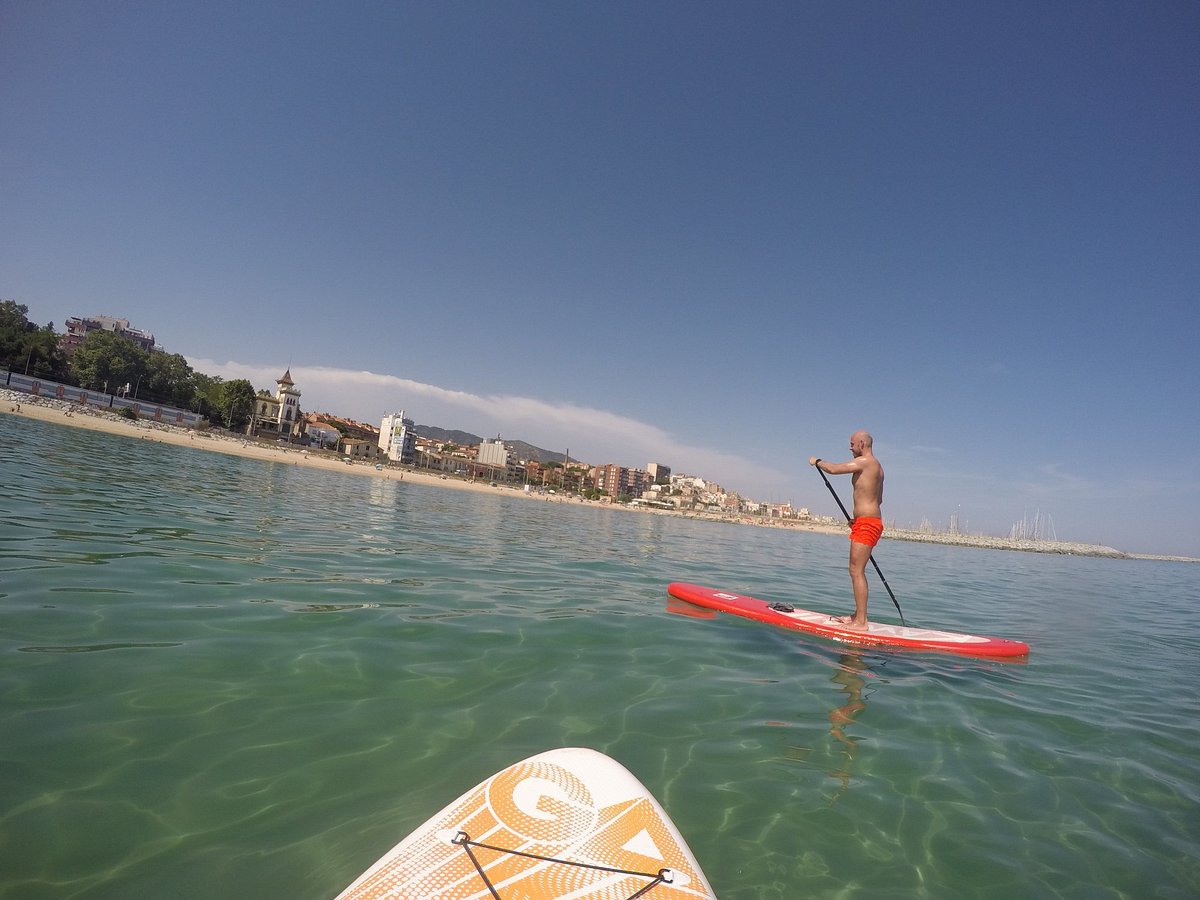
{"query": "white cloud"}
[(594, 435)]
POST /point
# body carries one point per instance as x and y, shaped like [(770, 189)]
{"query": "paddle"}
[(878, 570)]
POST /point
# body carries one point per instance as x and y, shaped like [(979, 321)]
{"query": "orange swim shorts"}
[(866, 530)]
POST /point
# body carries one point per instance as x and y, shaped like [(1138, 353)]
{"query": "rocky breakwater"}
[(987, 542)]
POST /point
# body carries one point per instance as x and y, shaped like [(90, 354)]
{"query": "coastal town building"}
[(354, 439), (498, 460), (443, 456), (493, 453), (618, 481), (658, 473), (537, 473), (279, 414), (657, 496), (320, 433), (398, 438), (79, 327), (693, 492), (348, 427), (578, 478), (359, 448)]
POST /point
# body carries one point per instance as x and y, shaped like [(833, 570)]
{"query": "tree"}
[(206, 394), (44, 357), (14, 330), (170, 379), (13, 315), (105, 361), (26, 348), (236, 403)]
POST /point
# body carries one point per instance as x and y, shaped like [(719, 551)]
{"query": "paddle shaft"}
[(878, 570)]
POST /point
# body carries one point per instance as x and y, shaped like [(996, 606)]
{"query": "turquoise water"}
[(225, 678)]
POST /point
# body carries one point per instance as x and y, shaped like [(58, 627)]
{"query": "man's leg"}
[(859, 555)]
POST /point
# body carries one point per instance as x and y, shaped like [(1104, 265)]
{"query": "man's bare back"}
[(868, 484)]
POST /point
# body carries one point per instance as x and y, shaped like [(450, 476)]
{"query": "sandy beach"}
[(65, 413), (62, 412)]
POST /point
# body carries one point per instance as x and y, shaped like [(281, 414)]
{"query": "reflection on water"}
[(854, 682), (851, 678)]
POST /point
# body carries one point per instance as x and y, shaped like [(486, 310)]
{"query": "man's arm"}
[(845, 468)]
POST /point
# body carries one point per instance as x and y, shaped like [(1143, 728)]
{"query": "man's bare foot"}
[(848, 622)]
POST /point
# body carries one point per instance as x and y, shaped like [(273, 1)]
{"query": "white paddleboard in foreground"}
[(568, 823)]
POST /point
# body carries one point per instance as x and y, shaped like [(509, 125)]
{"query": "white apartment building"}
[(398, 438), (493, 453), (497, 458)]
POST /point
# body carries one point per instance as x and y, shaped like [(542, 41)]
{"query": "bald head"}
[(860, 441)]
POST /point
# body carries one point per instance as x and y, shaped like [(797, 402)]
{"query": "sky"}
[(716, 236)]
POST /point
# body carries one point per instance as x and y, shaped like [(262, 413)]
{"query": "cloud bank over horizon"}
[(593, 435)]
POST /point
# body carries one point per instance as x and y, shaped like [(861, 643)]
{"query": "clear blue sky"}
[(716, 236)]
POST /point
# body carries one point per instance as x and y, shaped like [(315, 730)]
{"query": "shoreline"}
[(61, 412)]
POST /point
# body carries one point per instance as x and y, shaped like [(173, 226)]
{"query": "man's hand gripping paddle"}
[(878, 570)]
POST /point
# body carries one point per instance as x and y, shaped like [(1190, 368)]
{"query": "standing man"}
[(867, 526)]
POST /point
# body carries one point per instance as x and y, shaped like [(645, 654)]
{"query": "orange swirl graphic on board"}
[(542, 802), (535, 832)]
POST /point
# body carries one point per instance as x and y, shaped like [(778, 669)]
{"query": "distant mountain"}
[(463, 438), (528, 451), (466, 439)]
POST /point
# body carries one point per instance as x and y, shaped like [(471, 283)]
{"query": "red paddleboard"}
[(878, 634)]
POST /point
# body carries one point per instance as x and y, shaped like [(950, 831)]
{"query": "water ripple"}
[(94, 648)]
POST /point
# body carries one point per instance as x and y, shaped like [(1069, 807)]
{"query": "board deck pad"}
[(565, 823), (878, 634)]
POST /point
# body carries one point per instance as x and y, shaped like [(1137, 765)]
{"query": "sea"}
[(225, 678)]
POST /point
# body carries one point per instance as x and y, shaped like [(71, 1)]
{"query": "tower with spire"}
[(281, 413), (288, 399)]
